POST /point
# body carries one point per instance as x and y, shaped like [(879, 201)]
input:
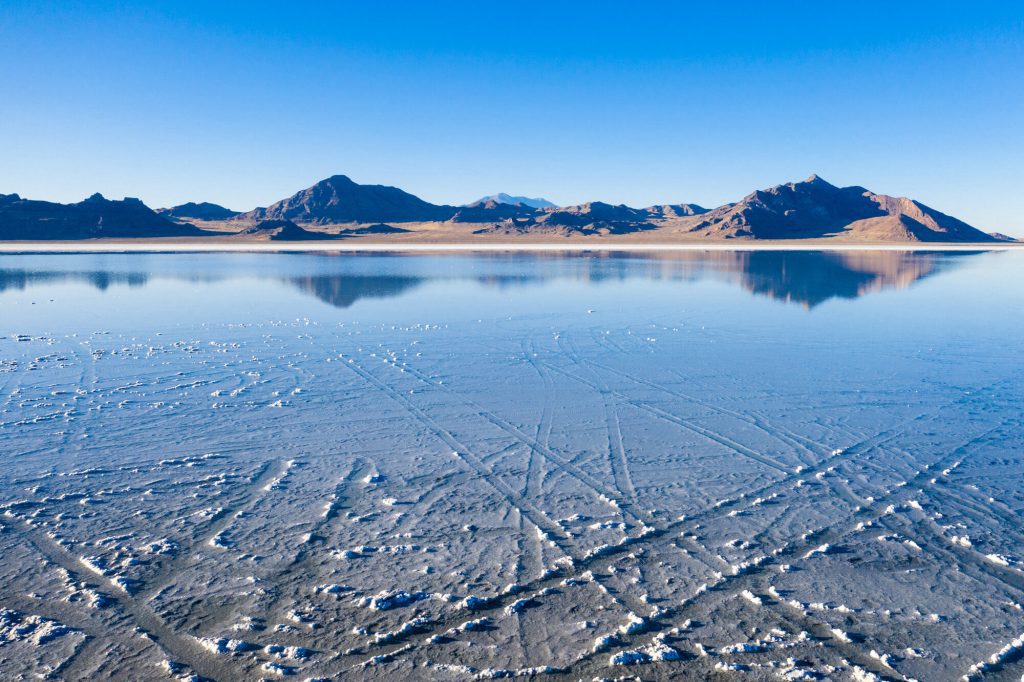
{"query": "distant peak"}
[(816, 179), (339, 179), (97, 197), (512, 200)]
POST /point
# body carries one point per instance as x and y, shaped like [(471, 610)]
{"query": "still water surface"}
[(818, 454)]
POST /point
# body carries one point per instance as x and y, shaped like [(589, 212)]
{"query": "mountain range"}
[(95, 217), (810, 209)]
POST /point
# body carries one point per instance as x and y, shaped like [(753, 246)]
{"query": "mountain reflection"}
[(808, 278), (812, 278), (342, 291)]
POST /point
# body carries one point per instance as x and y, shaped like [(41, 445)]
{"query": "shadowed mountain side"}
[(198, 211), (94, 218), (379, 228), (593, 218), (287, 231), (340, 200)]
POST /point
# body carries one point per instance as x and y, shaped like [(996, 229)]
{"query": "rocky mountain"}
[(815, 208), (502, 198), (596, 215), (811, 209), (94, 218), (675, 210), (340, 200), (201, 211), (492, 211)]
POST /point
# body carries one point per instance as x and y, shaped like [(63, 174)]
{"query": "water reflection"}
[(342, 291), (808, 278)]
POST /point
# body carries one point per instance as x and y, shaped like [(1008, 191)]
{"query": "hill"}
[(280, 231), (93, 218), (201, 211)]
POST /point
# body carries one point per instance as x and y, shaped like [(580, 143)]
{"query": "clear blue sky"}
[(636, 102)]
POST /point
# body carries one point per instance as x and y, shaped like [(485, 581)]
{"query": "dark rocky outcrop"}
[(379, 228), (94, 218), (198, 211), (281, 231)]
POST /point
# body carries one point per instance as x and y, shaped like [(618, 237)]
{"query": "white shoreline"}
[(351, 247)]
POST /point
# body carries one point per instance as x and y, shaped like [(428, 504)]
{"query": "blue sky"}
[(640, 103)]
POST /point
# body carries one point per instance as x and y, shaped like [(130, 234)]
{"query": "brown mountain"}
[(815, 208), (812, 209), (340, 200), (94, 218), (675, 210)]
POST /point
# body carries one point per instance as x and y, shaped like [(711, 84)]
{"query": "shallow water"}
[(769, 463)]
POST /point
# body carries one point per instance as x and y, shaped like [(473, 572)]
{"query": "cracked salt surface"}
[(509, 486)]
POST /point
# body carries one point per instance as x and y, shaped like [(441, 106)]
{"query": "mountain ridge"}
[(93, 218), (338, 199), (203, 210), (809, 209)]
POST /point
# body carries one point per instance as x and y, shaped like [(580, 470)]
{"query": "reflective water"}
[(783, 460)]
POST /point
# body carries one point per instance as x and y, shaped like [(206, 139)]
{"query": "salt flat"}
[(703, 465)]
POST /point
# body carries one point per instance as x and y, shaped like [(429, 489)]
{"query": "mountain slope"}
[(815, 208), (340, 200), (96, 217)]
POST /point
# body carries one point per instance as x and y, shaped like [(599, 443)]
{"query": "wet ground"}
[(761, 465)]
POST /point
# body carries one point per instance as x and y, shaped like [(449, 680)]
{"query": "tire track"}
[(170, 570), (182, 648), (537, 517), (617, 459), (563, 463), (667, 535)]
